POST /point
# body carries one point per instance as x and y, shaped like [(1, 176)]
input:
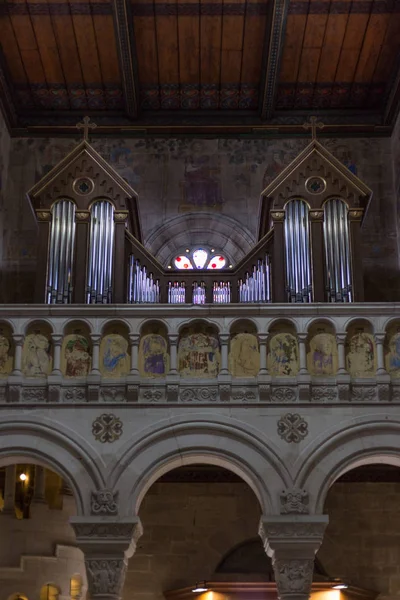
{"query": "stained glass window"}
[(200, 258)]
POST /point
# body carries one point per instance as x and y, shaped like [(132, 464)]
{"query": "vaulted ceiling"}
[(226, 66)]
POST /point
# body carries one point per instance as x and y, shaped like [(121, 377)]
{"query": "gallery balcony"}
[(191, 353)]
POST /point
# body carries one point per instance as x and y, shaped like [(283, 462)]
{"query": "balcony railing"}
[(204, 353)]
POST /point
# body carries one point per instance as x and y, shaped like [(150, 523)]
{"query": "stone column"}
[(292, 542), (302, 337), (173, 349), (224, 341), (95, 354), (18, 343), (134, 339), (341, 340), (40, 484), (107, 544), (263, 340), (9, 490), (380, 358), (57, 342)]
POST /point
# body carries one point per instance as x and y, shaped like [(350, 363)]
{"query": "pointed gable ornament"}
[(82, 179), (314, 178)]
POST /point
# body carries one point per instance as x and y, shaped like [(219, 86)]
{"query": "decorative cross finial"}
[(313, 125), (86, 125)]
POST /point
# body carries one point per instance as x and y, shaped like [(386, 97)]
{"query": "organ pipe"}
[(101, 247), (337, 251), (61, 253), (256, 285), (142, 287), (298, 252)]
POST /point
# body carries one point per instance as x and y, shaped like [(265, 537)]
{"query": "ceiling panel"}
[(60, 54), (199, 54), (339, 54)]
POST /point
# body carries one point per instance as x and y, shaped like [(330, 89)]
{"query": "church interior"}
[(199, 299)]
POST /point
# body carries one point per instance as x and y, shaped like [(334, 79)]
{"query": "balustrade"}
[(347, 351)]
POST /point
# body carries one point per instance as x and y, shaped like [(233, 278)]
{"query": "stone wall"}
[(200, 191), (189, 528), (396, 170), (362, 541)]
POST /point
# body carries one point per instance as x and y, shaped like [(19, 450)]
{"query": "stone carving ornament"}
[(106, 576), (292, 428), (104, 502), (107, 428), (294, 501), (293, 576), (206, 394)]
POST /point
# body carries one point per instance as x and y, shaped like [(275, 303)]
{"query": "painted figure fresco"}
[(153, 356), (36, 355), (393, 356), (114, 358), (201, 186), (76, 356), (244, 356), (283, 355), (322, 358), (6, 360), (198, 355), (361, 355)]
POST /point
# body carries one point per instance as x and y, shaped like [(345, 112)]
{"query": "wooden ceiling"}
[(226, 66)]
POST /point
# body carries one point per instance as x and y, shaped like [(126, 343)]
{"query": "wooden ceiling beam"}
[(127, 56), (273, 45), (7, 105), (392, 108)]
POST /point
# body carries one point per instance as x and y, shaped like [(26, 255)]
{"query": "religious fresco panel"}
[(198, 354), (322, 356), (6, 351), (283, 355), (37, 354), (114, 356), (244, 355), (360, 354), (392, 351), (153, 356), (76, 356)]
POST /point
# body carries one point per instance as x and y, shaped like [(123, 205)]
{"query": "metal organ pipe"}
[(256, 287), (337, 251), (142, 287), (101, 247), (61, 253), (298, 252)]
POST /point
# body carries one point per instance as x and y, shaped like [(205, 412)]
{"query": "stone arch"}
[(211, 229), (22, 438), (201, 440), (365, 441)]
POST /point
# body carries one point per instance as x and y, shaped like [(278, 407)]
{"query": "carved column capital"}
[(263, 338), (107, 544), (356, 214), (134, 339), (173, 339), (96, 338), (316, 215), (277, 216), (292, 541), (341, 338), (18, 339)]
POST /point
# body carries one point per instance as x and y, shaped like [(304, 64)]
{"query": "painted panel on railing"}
[(283, 355), (114, 357), (153, 356), (322, 355), (198, 354), (244, 356), (76, 356), (37, 355), (360, 356), (6, 353), (392, 355)]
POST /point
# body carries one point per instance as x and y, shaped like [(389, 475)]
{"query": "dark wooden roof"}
[(226, 66)]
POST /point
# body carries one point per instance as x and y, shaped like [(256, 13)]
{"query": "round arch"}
[(360, 443), (201, 440), (39, 443)]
